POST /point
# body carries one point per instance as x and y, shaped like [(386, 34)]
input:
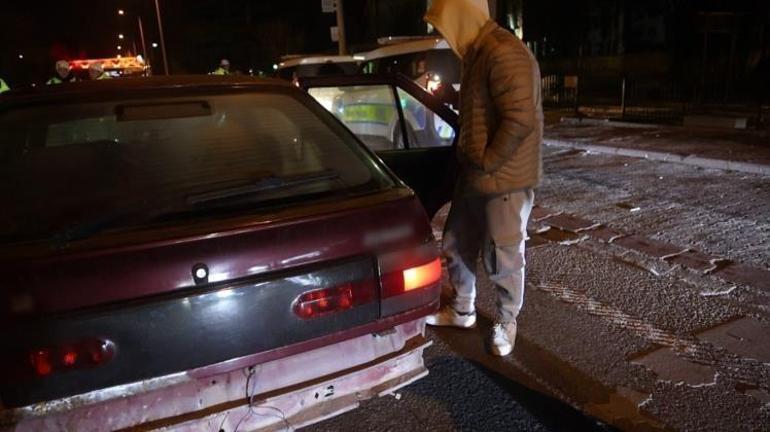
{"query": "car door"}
[(411, 131)]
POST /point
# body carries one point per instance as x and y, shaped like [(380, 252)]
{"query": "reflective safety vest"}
[(381, 113), (103, 76), (220, 71), (3, 86), (58, 80)]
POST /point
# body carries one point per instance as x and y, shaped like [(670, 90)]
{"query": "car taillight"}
[(422, 276), (412, 278), (316, 303), (79, 355)]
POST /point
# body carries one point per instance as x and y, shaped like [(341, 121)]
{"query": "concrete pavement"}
[(743, 151)]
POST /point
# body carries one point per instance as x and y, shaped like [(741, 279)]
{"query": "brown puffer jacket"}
[(501, 115)]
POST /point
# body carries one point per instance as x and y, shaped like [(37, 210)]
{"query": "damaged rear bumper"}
[(281, 394)]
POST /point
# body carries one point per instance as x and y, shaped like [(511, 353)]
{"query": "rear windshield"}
[(72, 170)]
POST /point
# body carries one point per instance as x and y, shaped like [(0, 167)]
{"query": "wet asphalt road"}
[(589, 304), (461, 394), (672, 344)]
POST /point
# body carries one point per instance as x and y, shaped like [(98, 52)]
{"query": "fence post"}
[(684, 92), (578, 77), (762, 87), (623, 98), (577, 95)]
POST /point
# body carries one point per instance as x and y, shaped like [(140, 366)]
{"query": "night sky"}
[(252, 34)]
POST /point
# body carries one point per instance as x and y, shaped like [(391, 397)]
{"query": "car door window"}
[(424, 128), (370, 111)]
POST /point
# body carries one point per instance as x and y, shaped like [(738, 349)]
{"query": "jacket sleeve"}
[(511, 88)]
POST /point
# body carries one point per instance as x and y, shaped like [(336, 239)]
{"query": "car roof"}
[(395, 46), (317, 59), (133, 84)]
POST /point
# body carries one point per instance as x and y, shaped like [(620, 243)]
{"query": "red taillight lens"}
[(69, 357), (41, 362), (83, 354), (412, 278), (314, 304)]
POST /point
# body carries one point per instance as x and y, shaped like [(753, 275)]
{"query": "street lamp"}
[(162, 40), (160, 32), (120, 36), (121, 12), (120, 47)]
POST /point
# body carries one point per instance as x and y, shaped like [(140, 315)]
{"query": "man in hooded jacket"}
[(501, 126)]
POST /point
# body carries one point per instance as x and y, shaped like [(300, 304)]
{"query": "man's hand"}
[(445, 93)]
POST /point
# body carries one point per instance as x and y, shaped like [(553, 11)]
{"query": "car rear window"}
[(77, 166)]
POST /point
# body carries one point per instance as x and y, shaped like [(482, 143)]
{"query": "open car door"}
[(410, 130)]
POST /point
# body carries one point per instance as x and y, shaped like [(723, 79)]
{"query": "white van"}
[(298, 66), (427, 60)]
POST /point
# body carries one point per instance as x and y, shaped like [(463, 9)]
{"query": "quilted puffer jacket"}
[(501, 115)]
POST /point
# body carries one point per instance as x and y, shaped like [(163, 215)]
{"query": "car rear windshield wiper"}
[(152, 210), (266, 184), (131, 214)]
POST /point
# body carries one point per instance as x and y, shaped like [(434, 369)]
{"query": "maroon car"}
[(201, 253)]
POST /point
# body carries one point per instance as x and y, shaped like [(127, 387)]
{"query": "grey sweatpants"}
[(496, 227)]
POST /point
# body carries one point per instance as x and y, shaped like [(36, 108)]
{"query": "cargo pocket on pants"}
[(502, 261), (504, 253)]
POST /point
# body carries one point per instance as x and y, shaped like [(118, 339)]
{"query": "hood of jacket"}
[(458, 21)]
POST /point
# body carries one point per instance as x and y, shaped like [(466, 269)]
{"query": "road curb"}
[(691, 160), (588, 121)]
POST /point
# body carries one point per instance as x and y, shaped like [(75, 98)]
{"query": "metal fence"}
[(616, 97), (649, 99)]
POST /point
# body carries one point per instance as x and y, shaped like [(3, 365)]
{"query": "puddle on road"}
[(670, 367), (624, 408), (557, 235), (744, 336), (753, 391), (536, 241), (541, 213)]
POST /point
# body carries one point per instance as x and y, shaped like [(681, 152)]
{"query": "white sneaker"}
[(502, 338), (447, 316)]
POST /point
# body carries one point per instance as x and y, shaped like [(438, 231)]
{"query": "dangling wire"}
[(250, 394)]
